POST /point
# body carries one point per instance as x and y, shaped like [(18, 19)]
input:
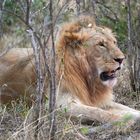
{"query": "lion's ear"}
[(75, 33), (73, 39)]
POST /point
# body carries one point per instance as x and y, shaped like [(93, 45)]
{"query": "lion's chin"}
[(110, 83)]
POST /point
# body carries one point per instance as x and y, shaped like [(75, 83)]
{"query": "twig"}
[(80, 137), (93, 3), (108, 8), (40, 87), (3, 112), (28, 126), (28, 4), (5, 50), (78, 7), (17, 16), (2, 5)]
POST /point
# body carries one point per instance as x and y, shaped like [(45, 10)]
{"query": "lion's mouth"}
[(108, 75)]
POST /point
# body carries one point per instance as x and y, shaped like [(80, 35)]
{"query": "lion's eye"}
[(115, 42), (101, 44)]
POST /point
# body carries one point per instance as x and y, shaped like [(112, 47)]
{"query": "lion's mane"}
[(80, 73)]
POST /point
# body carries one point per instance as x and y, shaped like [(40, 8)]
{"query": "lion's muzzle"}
[(109, 75)]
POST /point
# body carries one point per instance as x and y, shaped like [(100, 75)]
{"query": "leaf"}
[(84, 130), (65, 110), (127, 117)]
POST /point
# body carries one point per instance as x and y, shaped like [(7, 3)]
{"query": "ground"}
[(15, 121)]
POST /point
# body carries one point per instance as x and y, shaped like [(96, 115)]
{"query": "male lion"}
[(87, 61)]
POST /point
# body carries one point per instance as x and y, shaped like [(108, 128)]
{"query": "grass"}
[(16, 123)]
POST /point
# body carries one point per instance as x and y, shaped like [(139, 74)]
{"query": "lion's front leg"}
[(91, 113), (117, 108), (115, 112)]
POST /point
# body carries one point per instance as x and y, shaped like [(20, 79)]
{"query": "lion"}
[(87, 60)]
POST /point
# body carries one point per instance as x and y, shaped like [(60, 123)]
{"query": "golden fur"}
[(17, 74), (86, 62)]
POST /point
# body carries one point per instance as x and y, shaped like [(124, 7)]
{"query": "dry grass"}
[(16, 123), (123, 90)]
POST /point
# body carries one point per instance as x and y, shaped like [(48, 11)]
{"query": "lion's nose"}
[(119, 60)]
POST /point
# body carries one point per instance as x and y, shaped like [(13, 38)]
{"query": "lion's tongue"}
[(112, 82)]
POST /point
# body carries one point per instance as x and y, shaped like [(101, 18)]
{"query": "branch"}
[(116, 126), (108, 8), (40, 80), (129, 43), (2, 4), (17, 16), (28, 3), (78, 6)]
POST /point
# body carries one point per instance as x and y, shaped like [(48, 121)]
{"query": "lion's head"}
[(104, 53), (89, 57)]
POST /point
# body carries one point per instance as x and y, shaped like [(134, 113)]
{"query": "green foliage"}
[(19, 31), (21, 109), (11, 8), (14, 10), (126, 118), (67, 15), (84, 130), (119, 27), (65, 110), (38, 4)]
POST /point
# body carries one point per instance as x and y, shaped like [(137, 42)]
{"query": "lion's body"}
[(87, 59), (16, 74)]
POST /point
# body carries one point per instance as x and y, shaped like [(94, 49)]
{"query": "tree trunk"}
[(1, 17), (52, 96), (130, 46), (133, 49), (137, 56)]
